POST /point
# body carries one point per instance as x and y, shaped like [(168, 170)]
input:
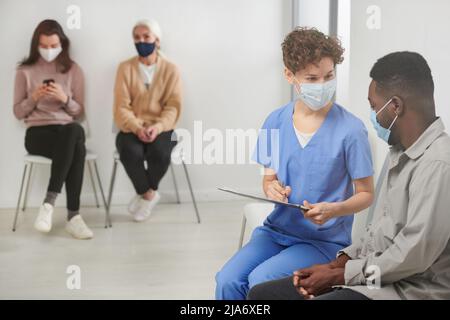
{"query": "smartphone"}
[(47, 82)]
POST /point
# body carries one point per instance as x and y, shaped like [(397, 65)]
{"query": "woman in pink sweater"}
[(49, 97)]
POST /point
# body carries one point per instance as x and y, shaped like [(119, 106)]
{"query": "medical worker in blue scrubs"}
[(314, 152)]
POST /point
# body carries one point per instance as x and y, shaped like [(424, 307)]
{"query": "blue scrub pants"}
[(264, 259)]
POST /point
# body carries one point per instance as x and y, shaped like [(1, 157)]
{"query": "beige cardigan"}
[(135, 106)]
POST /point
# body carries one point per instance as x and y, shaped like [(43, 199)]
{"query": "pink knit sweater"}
[(48, 110)]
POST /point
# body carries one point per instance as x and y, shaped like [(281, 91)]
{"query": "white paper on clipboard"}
[(291, 205)]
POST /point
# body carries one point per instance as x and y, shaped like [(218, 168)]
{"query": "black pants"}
[(64, 144), (133, 153), (283, 289)]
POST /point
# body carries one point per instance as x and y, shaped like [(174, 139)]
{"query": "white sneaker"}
[(145, 208), (134, 204), (78, 229), (43, 221)]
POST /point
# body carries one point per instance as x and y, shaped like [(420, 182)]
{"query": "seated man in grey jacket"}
[(405, 252)]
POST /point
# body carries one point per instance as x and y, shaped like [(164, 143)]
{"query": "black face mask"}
[(145, 49)]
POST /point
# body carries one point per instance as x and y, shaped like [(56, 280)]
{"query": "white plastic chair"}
[(32, 160), (254, 215), (180, 155)]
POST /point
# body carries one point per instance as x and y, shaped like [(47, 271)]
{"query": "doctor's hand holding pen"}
[(275, 190)]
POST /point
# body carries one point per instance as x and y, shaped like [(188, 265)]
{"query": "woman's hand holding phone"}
[(56, 91), (51, 89), (38, 93)]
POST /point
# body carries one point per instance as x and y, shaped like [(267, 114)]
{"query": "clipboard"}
[(287, 204)]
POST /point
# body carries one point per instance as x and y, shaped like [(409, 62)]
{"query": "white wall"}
[(229, 54), (313, 13), (413, 25), (343, 69), (230, 58)]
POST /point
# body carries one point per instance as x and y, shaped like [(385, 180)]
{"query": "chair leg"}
[(94, 188), (20, 197), (102, 193), (111, 188), (241, 240), (190, 189), (175, 183), (27, 187)]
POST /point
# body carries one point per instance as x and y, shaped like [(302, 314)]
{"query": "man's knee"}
[(257, 292), (281, 289), (342, 294)]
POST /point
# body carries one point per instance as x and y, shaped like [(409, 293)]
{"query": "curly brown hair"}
[(304, 46)]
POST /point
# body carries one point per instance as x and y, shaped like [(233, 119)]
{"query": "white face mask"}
[(316, 95), (49, 54)]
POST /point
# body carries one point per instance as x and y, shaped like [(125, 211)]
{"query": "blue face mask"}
[(382, 132), (316, 95), (145, 49)]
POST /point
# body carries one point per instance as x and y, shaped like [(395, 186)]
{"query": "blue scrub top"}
[(338, 153)]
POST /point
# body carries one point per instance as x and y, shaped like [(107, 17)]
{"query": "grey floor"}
[(169, 256)]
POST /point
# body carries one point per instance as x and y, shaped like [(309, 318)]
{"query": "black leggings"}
[(133, 153), (64, 144)]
